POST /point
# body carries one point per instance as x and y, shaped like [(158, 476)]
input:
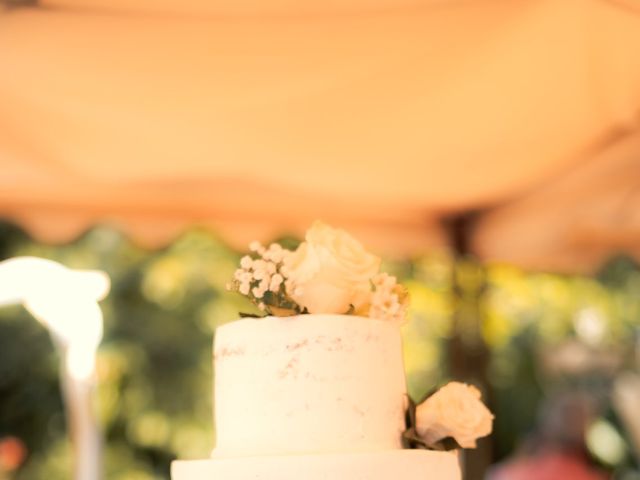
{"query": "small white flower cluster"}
[(262, 275), (329, 273), (389, 300)]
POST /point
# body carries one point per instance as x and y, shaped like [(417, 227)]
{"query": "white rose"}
[(330, 271), (454, 411)]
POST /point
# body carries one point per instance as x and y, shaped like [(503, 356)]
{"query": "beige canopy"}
[(377, 115), (573, 222)]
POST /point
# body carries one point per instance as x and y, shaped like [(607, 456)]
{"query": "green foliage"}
[(155, 365)]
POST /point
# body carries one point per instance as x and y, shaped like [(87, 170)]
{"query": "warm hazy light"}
[(378, 116), (63, 300)]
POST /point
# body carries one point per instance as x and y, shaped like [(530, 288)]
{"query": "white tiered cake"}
[(322, 396), (314, 397)]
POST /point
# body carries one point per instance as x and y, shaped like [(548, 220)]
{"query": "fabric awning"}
[(257, 117)]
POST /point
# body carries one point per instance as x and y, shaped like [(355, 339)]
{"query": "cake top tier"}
[(308, 384)]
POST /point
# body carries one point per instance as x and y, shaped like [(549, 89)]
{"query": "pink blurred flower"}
[(12, 453), (547, 466)]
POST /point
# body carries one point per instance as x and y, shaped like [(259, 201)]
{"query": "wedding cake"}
[(309, 392)]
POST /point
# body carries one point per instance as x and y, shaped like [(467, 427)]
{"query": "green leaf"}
[(448, 443), (411, 438)]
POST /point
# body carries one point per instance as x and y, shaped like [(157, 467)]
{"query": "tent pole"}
[(468, 355)]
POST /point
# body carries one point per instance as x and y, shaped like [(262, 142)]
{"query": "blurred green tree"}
[(155, 365)]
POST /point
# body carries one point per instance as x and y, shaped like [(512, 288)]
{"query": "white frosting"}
[(405, 464), (307, 384)]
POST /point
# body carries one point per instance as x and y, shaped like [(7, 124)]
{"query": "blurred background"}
[(488, 150), (549, 339)]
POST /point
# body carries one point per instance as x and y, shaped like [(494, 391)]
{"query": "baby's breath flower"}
[(256, 247), (388, 299), (257, 292), (275, 248), (259, 265), (276, 281), (246, 262), (274, 253), (244, 288), (384, 280), (264, 284), (271, 268)]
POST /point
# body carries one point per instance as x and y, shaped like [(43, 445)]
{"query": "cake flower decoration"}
[(261, 279), (330, 272), (453, 417)]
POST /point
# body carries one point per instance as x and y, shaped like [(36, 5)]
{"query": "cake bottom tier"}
[(385, 465)]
